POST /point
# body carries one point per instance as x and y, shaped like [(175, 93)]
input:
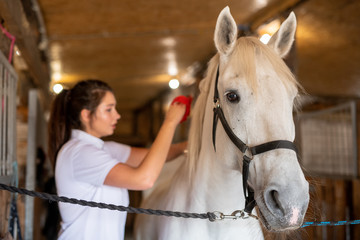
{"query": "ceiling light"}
[(57, 76), (265, 38), (270, 27), (267, 30), (57, 88), (17, 51), (172, 70), (168, 42), (56, 66), (174, 83)]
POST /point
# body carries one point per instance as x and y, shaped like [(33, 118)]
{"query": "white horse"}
[(256, 93)]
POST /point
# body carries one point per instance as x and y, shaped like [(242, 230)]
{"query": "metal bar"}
[(30, 163), (6, 119), (329, 141), (354, 137), (325, 111), (12, 125), (8, 82), (2, 116)]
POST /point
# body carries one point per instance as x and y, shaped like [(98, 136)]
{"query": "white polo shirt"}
[(81, 167)]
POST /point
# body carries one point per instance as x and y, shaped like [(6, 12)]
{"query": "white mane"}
[(197, 118)]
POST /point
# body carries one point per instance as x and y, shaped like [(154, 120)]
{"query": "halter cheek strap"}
[(248, 152)]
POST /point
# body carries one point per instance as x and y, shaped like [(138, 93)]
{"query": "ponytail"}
[(59, 129), (66, 109)]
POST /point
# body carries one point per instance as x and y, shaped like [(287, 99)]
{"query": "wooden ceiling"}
[(131, 44)]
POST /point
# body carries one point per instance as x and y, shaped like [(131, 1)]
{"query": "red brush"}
[(184, 100)]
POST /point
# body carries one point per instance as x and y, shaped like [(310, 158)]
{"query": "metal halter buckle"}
[(217, 103), (238, 214), (248, 153)]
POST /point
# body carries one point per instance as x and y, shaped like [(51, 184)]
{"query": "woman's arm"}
[(144, 175), (137, 154), (176, 150)]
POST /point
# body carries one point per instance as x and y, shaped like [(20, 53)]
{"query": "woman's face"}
[(103, 122)]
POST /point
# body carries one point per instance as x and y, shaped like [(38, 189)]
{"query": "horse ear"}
[(225, 32), (283, 39)]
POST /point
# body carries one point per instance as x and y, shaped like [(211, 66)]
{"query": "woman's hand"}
[(175, 113)]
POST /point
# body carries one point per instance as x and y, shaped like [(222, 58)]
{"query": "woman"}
[(91, 169)]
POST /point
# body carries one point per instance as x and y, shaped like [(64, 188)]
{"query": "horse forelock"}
[(248, 49)]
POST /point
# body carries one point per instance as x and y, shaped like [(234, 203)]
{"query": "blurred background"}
[(151, 51)]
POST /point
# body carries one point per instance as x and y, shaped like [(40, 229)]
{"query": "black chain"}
[(211, 216)]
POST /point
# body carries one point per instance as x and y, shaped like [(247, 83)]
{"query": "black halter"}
[(251, 151)]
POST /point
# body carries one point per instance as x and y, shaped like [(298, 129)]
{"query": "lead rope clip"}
[(238, 214)]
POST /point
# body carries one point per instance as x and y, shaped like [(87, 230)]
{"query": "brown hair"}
[(66, 109)]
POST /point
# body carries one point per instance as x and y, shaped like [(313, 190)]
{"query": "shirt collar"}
[(84, 136)]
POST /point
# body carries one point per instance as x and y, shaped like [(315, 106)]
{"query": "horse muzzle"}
[(282, 209)]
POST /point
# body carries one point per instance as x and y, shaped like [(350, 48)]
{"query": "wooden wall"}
[(333, 200), (4, 212)]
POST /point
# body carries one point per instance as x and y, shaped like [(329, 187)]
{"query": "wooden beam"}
[(358, 137), (12, 12), (263, 15)]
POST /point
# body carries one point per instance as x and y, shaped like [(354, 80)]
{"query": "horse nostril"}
[(273, 202), (274, 195)]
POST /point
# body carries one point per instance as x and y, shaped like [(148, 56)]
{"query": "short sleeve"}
[(92, 165), (120, 152)]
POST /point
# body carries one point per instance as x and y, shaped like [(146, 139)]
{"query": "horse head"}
[(256, 92)]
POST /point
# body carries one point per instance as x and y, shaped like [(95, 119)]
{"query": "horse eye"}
[(233, 97)]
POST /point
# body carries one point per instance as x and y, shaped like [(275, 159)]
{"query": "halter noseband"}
[(248, 152)]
